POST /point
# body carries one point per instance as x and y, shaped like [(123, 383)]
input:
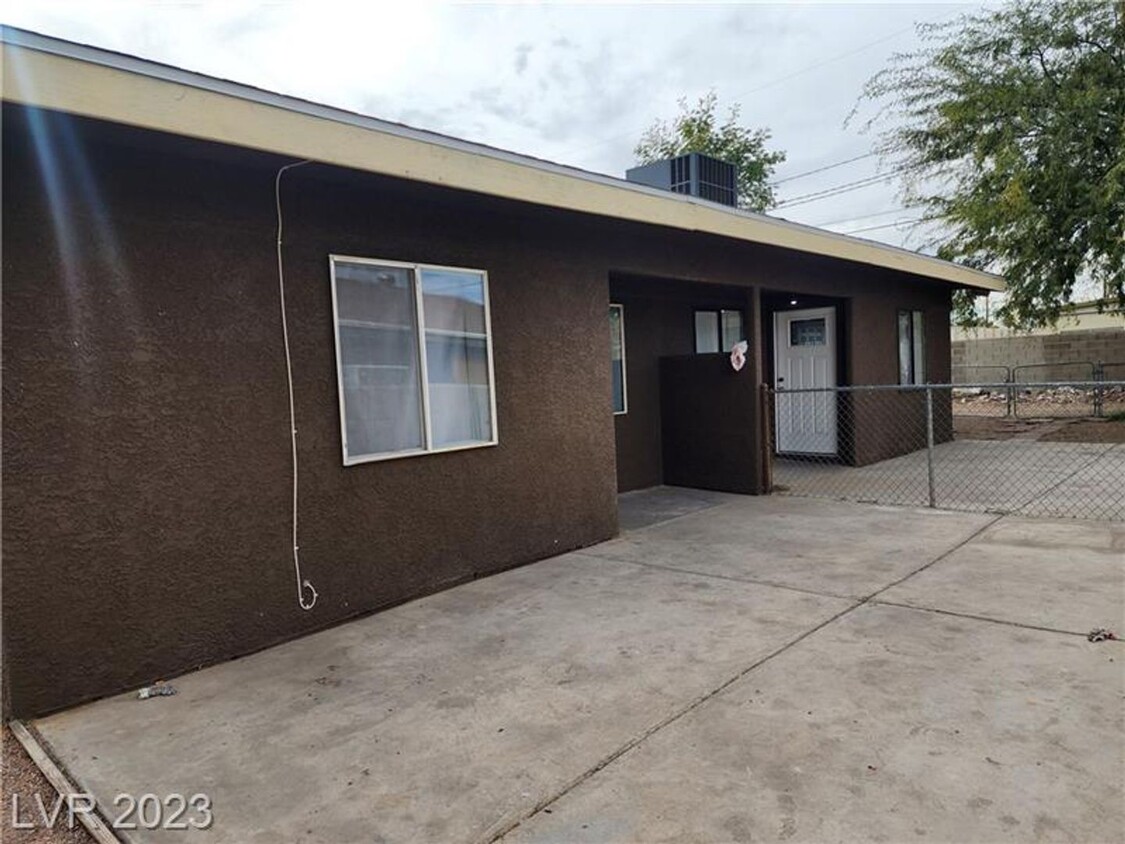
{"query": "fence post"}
[(930, 442), (1015, 391), (768, 419), (1009, 378), (1099, 376)]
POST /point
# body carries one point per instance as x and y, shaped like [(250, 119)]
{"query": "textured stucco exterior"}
[(146, 513)]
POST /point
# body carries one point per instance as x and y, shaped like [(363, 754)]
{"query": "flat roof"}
[(64, 76)]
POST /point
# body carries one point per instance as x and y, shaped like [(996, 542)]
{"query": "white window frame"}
[(916, 320), (423, 370), (624, 364), (720, 329), (741, 323)]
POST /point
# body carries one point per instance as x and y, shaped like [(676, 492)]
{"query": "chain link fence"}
[(1041, 390), (1113, 371), (982, 447)]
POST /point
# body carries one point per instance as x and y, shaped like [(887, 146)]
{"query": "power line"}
[(846, 187), (861, 217), (827, 61), (895, 224), (822, 169), (764, 86)]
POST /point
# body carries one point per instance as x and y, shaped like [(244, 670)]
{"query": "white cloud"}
[(572, 83)]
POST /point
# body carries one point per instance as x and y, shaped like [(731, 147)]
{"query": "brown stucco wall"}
[(710, 440), (884, 424), (146, 447)]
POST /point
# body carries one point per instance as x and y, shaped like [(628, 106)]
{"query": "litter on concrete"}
[(1101, 634), (157, 690)]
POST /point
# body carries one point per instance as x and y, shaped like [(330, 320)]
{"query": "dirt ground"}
[(1083, 430), (20, 776), (1088, 431), (1065, 404)]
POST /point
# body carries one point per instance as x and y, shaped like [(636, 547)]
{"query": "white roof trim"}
[(61, 75)]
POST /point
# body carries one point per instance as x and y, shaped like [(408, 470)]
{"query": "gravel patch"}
[(20, 776)]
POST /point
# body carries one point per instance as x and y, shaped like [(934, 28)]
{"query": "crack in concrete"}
[(504, 827), (1036, 497), (949, 551), (984, 618), (727, 577)]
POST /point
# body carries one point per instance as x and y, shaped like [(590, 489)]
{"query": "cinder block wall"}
[(1065, 354)]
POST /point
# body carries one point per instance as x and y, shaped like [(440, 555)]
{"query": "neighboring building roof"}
[(88, 81)]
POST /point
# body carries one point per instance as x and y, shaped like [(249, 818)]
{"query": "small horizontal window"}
[(717, 331), (414, 358), (808, 332)]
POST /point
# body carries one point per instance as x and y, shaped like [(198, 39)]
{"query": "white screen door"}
[(805, 356)]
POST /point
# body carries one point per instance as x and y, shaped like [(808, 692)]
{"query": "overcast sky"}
[(574, 83)]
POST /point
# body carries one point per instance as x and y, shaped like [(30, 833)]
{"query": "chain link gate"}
[(956, 446)]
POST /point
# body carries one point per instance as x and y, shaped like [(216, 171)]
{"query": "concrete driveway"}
[(732, 669)]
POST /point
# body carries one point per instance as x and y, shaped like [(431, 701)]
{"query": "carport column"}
[(930, 442), (761, 426), (754, 331)]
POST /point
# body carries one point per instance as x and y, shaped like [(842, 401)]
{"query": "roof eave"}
[(63, 76)]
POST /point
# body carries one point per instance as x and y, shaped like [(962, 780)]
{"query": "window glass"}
[(379, 368), (706, 332), (808, 332), (401, 393), (453, 300), (918, 336), (617, 356), (905, 349), (911, 347), (456, 357), (732, 329)]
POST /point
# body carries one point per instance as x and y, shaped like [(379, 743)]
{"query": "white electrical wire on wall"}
[(302, 584)]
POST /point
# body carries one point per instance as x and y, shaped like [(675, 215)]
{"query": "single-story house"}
[(269, 365)]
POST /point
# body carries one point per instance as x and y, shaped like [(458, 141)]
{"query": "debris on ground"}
[(1035, 396), (158, 689), (1101, 634)]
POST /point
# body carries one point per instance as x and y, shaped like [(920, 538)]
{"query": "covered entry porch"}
[(682, 414)]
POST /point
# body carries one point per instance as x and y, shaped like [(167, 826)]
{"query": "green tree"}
[(1008, 126), (697, 129)]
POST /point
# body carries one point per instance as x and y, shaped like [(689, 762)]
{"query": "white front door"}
[(804, 349)]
